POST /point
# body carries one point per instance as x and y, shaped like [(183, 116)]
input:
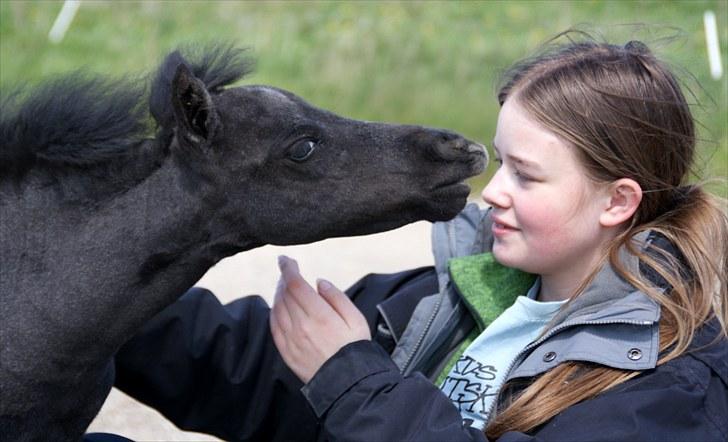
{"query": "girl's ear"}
[(623, 200)]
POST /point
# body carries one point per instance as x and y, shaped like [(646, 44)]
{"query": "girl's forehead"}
[(518, 134)]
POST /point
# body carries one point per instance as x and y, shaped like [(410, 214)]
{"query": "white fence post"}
[(63, 21), (711, 40)]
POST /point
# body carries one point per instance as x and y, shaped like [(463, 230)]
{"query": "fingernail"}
[(324, 285), (282, 260)]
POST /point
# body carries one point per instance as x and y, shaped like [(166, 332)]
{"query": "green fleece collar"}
[(487, 287)]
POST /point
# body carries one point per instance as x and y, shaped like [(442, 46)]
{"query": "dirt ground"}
[(341, 260)]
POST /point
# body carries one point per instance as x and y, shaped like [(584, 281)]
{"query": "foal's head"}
[(287, 172)]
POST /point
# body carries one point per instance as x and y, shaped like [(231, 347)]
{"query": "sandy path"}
[(341, 260)]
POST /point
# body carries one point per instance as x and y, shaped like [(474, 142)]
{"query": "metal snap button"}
[(550, 356), (634, 354)]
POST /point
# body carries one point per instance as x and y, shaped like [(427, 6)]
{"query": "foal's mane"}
[(80, 120)]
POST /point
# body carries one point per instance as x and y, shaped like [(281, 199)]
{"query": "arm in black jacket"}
[(213, 368)]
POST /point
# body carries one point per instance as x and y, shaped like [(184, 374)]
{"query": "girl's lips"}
[(499, 229)]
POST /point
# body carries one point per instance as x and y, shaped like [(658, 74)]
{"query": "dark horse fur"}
[(109, 215)]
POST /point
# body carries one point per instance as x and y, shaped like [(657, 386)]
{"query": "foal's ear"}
[(194, 114)]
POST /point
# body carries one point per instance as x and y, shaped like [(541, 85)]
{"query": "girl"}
[(594, 287)]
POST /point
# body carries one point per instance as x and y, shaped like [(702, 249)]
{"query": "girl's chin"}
[(502, 256)]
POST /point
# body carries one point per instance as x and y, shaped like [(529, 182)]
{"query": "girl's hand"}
[(309, 327)]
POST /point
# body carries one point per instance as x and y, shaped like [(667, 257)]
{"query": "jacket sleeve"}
[(213, 368), (359, 395)]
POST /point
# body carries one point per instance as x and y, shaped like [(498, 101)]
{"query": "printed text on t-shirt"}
[(468, 385)]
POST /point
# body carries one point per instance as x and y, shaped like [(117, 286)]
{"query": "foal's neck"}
[(82, 270), (108, 268), (165, 237)]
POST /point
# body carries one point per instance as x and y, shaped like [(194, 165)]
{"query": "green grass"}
[(429, 63)]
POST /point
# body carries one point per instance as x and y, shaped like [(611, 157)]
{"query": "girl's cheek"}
[(537, 218), (545, 231)]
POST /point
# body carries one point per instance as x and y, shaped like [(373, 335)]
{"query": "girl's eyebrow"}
[(518, 160)]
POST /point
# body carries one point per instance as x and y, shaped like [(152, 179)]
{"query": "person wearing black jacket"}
[(617, 296), (213, 368), (594, 143)]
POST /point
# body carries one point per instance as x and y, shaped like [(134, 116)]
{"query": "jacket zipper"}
[(539, 341), (421, 338), (451, 245)]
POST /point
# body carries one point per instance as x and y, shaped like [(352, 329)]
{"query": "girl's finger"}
[(339, 302), (285, 347), (300, 291), (280, 312), (279, 335), (294, 310)]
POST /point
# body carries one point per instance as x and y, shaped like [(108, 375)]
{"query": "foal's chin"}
[(447, 201)]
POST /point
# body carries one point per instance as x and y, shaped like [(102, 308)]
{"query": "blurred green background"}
[(430, 63)]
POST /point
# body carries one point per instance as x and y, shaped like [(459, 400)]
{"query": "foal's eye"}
[(301, 150)]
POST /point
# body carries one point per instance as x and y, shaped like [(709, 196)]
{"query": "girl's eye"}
[(301, 150), (521, 177)]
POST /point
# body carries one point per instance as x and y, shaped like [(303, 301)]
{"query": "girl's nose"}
[(494, 193)]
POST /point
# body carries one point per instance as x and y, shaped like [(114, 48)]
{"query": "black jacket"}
[(214, 369)]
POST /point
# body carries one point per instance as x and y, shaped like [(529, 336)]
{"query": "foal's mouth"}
[(478, 158), (453, 189), (475, 163)]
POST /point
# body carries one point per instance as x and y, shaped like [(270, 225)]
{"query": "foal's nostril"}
[(458, 149), (476, 148), (478, 156)]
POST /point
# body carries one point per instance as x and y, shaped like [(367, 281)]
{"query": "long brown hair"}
[(623, 112)]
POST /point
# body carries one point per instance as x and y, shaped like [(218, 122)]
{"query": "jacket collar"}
[(487, 288), (610, 297)]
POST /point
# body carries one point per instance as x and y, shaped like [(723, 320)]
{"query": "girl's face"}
[(545, 210)]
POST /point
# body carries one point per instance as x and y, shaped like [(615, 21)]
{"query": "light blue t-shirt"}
[(475, 379)]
